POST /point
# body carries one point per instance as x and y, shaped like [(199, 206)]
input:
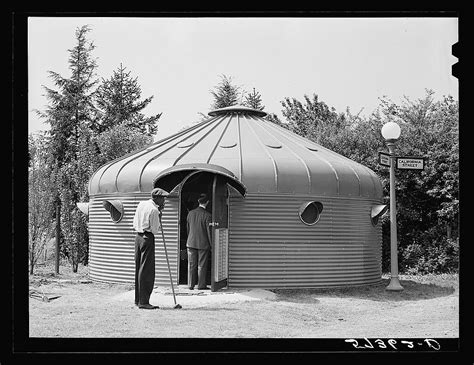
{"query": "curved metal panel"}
[(321, 178), (112, 245), (151, 151), (269, 246), (264, 157)]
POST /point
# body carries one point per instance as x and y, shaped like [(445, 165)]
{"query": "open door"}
[(192, 186), (179, 179), (220, 228)]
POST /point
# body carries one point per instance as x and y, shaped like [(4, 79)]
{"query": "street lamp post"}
[(391, 133)]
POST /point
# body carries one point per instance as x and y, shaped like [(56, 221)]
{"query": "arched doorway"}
[(189, 181), (192, 186)]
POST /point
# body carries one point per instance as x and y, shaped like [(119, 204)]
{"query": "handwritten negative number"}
[(367, 344)]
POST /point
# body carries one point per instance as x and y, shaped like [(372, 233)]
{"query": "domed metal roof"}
[(240, 144)]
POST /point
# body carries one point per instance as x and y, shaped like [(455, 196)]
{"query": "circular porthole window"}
[(310, 212), (115, 208)]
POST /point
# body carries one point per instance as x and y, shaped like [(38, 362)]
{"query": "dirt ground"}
[(428, 307)]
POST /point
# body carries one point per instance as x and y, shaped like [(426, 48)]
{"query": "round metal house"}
[(287, 212)]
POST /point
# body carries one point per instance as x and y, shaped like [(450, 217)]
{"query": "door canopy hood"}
[(171, 177)]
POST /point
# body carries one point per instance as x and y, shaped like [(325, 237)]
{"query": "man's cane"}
[(177, 306)]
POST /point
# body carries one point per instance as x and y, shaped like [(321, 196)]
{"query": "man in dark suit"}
[(198, 243)]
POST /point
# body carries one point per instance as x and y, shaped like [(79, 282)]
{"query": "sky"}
[(348, 62)]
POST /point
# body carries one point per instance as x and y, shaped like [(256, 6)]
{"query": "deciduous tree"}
[(41, 197), (428, 200)]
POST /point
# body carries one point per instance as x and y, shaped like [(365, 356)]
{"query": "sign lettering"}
[(384, 159), (410, 163)]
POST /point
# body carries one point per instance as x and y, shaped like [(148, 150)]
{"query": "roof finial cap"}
[(237, 109)]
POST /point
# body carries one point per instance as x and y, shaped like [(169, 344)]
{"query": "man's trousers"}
[(144, 267), (198, 260)]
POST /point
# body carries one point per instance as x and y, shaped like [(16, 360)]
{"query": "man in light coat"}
[(146, 223)]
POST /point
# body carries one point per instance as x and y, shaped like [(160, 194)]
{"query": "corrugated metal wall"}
[(112, 245), (269, 246)]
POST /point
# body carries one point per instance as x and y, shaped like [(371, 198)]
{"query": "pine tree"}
[(118, 99), (71, 113), (225, 93), (71, 105), (254, 100)]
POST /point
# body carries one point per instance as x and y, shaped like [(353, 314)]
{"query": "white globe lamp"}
[(391, 131)]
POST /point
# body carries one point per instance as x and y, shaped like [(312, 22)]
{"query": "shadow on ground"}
[(412, 291), (200, 309)]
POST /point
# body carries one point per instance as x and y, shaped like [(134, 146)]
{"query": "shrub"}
[(432, 253)]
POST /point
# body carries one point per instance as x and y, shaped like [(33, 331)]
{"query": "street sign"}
[(384, 159), (410, 163)]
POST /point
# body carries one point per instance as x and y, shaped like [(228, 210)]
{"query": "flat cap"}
[(159, 192)]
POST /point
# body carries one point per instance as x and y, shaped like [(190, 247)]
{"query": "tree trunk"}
[(32, 263), (58, 230), (448, 231)]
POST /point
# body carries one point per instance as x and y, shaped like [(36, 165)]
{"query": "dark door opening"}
[(192, 180), (200, 182)]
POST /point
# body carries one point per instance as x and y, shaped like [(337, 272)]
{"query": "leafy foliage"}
[(70, 112), (427, 201), (117, 141), (90, 125), (41, 196), (73, 222), (311, 118)]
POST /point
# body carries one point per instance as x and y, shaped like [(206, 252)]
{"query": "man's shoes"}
[(147, 306), (191, 287)]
